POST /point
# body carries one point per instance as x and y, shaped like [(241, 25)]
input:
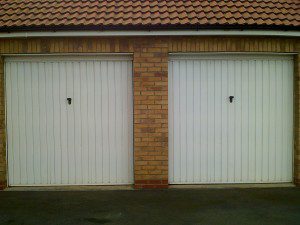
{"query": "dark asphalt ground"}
[(174, 206)]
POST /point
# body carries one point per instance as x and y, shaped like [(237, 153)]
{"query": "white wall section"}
[(50, 142), (214, 141)]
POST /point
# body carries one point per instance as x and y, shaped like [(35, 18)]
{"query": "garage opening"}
[(69, 120), (230, 119)]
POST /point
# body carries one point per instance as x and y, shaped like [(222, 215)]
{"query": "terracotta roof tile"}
[(118, 13)]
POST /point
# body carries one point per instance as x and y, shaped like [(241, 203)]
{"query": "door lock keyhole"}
[(69, 101)]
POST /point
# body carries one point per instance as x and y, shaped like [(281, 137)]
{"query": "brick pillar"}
[(297, 121), (2, 128), (150, 66)]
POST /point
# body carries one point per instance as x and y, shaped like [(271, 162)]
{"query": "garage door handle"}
[(69, 100), (231, 98)]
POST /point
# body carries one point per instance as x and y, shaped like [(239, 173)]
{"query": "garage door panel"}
[(44, 124), (15, 125), (183, 119), (57, 164), (118, 118), (48, 127), (289, 89), (111, 121), (189, 117), (204, 117), (279, 117), (105, 122), (175, 158), (237, 120), (252, 88), (265, 119), (210, 119), (231, 125), (123, 83), (80, 176), (98, 123), (28, 118), (51, 142), (215, 141), (127, 88), (273, 125), (218, 122), (224, 120), (244, 100), (68, 90), (196, 129)]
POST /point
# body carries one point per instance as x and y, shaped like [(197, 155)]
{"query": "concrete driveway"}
[(174, 206)]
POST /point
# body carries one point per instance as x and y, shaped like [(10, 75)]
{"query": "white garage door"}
[(84, 140), (246, 140)]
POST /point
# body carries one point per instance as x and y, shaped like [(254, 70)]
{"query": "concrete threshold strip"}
[(71, 188), (231, 186), (130, 187)]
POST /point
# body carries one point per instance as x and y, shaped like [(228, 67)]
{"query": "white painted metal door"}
[(52, 142), (212, 140)]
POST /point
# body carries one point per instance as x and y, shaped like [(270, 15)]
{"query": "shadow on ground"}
[(175, 206)]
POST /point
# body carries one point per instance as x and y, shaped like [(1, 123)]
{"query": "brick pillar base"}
[(2, 185), (297, 182), (151, 184)]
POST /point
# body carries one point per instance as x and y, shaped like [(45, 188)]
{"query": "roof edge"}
[(196, 27), (32, 34)]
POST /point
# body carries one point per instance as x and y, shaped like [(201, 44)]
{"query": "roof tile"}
[(43, 13)]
